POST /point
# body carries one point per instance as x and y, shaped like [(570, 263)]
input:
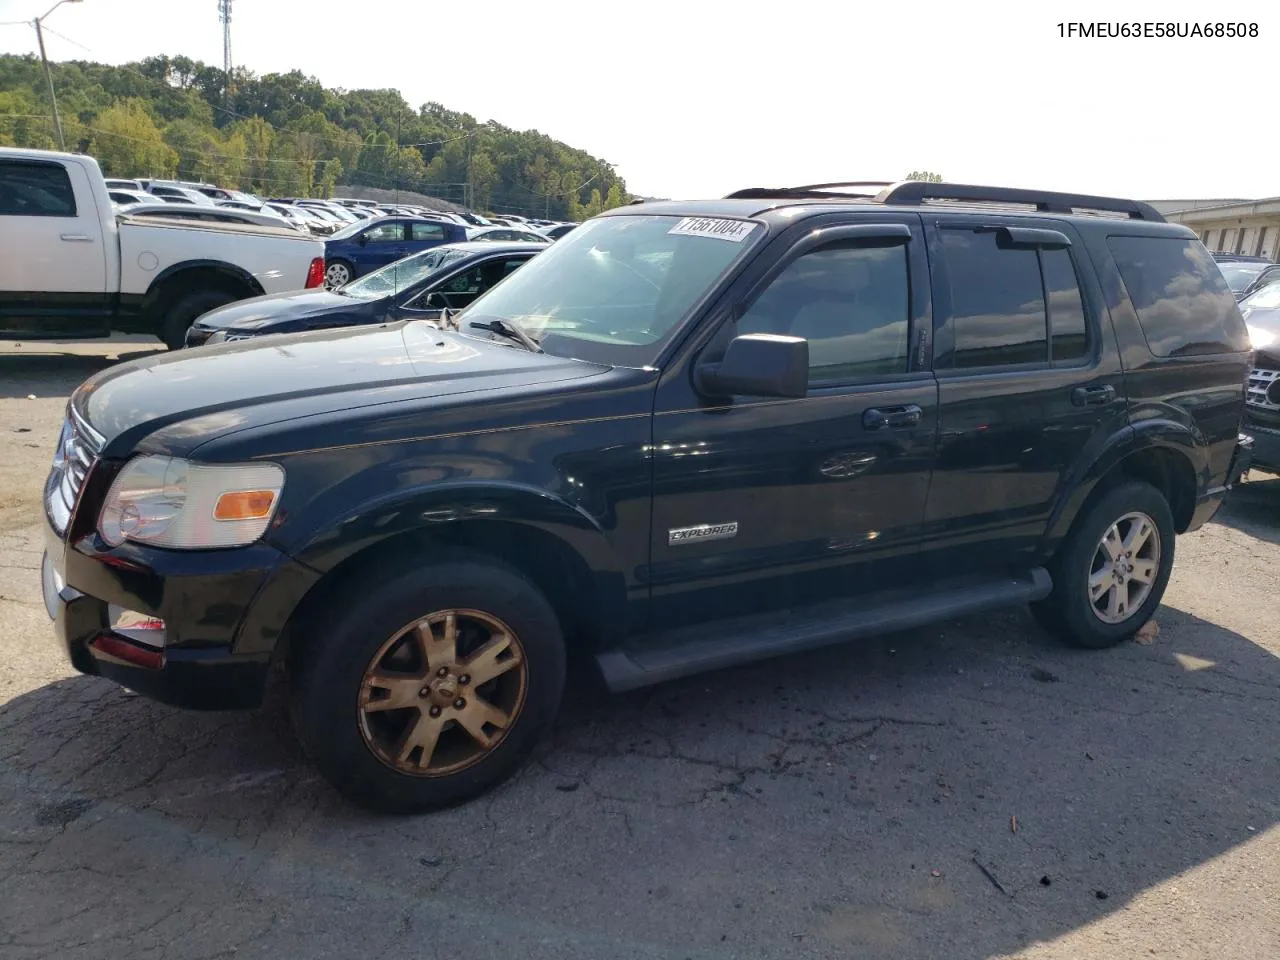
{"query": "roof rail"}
[(816, 191), (915, 192)]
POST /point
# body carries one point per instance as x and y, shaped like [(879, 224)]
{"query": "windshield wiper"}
[(505, 328)]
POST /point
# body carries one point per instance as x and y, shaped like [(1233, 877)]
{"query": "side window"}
[(426, 231), (851, 303), (1184, 305), (1068, 331), (385, 233), (35, 190), (997, 302)]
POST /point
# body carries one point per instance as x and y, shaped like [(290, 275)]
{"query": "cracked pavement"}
[(855, 802)]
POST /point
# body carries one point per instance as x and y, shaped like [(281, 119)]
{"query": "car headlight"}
[(170, 502), (1259, 338), (216, 337)]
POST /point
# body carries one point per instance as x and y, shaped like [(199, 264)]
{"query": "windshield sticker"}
[(734, 231)]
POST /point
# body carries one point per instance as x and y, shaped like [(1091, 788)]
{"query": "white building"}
[(1230, 226)]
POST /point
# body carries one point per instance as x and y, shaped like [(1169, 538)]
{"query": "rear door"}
[(53, 274), (815, 498), (1029, 383), (424, 234)]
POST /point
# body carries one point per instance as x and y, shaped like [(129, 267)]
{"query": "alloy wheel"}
[(443, 693), (336, 275), (1124, 568)]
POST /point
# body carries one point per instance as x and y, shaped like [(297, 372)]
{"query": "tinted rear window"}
[(1183, 303)]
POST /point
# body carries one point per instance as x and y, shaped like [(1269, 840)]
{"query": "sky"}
[(698, 98)]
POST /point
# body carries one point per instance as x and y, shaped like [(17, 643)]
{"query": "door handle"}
[(888, 418), (1093, 396), (81, 237)]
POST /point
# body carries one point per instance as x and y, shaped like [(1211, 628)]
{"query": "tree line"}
[(287, 135)]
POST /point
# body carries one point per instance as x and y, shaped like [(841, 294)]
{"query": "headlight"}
[(1259, 338), (169, 502), (216, 337)]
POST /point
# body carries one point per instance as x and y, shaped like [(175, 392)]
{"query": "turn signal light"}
[(244, 505), (315, 273)]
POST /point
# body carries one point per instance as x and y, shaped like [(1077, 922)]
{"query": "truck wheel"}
[(425, 689), (1111, 572), (338, 273), (187, 310)]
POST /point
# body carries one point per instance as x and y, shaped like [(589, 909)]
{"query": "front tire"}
[(186, 311), (428, 688), (338, 273), (1111, 571)]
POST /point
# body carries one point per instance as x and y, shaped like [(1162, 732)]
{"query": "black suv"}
[(687, 435)]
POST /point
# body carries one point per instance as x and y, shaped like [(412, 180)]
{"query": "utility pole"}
[(224, 14), (48, 76)]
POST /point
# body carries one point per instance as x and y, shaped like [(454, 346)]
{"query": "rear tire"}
[(1100, 600), (397, 716), (186, 310)]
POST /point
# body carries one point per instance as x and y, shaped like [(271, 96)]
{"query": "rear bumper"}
[(1209, 502)]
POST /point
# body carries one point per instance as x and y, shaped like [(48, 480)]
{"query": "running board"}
[(688, 651)]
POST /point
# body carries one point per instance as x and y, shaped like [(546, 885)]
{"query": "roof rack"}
[(915, 192), (812, 190), (910, 193)]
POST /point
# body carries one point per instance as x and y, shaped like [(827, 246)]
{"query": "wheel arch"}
[(1165, 454), (179, 279), (557, 547)]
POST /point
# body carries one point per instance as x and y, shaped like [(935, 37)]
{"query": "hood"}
[(278, 308), (210, 391), (1263, 324)]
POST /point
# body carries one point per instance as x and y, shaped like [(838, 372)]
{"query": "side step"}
[(713, 646)]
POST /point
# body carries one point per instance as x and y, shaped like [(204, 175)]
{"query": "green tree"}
[(616, 197), (127, 142), (924, 175)]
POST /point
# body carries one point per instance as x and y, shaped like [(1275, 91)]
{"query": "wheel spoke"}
[(478, 714), (423, 732), (484, 665), (1139, 533), (402, 691), (1144, 571), (1116, 601), (1112, 543), (439, 651), (1099, 582)]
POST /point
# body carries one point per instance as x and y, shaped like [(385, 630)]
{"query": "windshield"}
[(1240, 275), (346, 233), (616, 288), (395, 277)]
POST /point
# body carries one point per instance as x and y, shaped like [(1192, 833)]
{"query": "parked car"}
[(506, 233), (123, 197), (1239, 258), (418, 287), (370, 244), (305, 219), (76, 266), (117, 184), (1269, 274), (1240, 274), (190, 213), (169, 193), (1261, 312), (558, 230), (686, 436)]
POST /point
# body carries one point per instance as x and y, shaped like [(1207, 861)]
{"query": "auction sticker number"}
[(733, 230)]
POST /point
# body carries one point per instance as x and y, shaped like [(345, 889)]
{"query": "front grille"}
[(1263, 389), (78, 447)]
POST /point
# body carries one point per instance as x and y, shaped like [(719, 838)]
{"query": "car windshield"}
[(616, 289), (1240, 275), (395, 277), (1265, 298), (346, 233)]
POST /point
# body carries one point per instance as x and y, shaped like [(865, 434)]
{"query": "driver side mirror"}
[(759, 365), (363, 239)]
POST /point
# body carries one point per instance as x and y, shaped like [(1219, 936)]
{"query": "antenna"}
[(224, 15)]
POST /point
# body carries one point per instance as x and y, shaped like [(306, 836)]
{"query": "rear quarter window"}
[(1184, 305)]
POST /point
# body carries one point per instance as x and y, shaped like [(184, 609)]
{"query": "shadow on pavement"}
[(54, 369), (842, 803), (1254, 507)]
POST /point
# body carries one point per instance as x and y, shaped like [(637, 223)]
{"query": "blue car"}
[(365, 246)]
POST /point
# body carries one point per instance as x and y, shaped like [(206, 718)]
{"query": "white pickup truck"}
[(71, 267)]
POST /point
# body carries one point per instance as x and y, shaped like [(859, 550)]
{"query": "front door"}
[(53, 274), (764, 504), (1029, 379), (382, 244)]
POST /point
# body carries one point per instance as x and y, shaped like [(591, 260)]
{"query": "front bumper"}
[(223, 611), (1266, 447)]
